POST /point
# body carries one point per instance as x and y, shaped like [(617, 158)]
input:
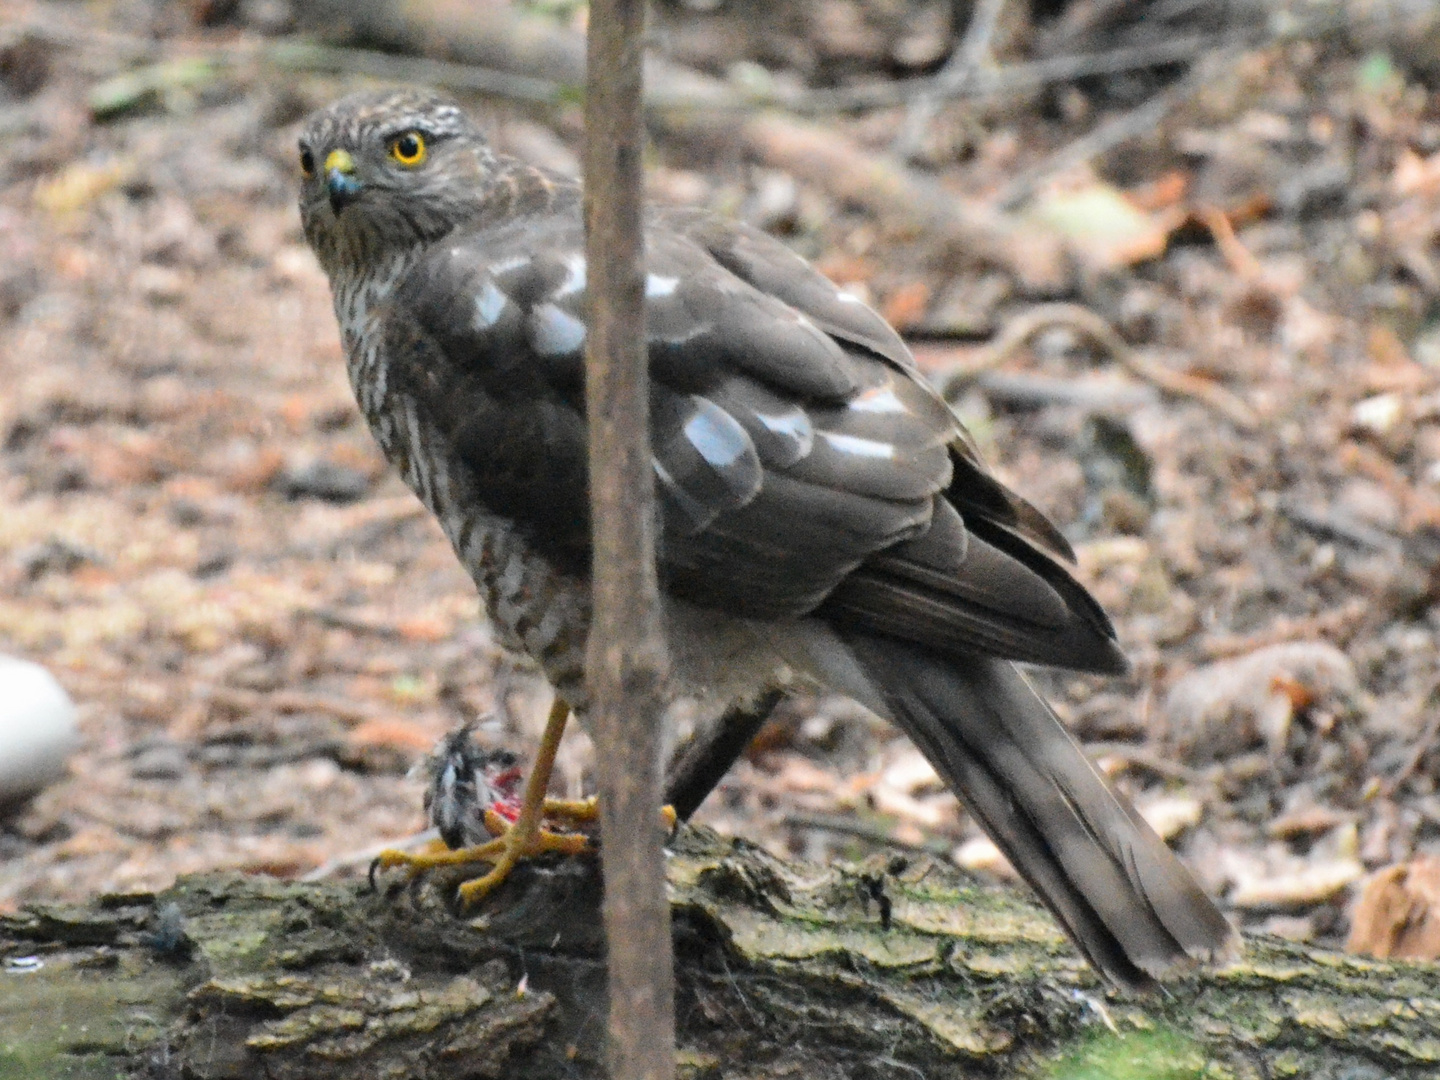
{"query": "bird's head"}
[(383, 172)]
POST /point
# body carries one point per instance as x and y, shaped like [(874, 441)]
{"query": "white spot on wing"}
[(488, 304), (851, 444), (504, 266), (688, 334), (657, 285), (718, 443), (878, 399), (554, 332), (574, 275), (793, 425)]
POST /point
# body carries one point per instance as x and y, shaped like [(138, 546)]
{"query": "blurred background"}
[(1175, 263)]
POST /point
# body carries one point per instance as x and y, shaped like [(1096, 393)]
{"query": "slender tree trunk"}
[(627, 661)]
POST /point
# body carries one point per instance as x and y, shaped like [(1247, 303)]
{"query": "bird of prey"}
[(824, 519)]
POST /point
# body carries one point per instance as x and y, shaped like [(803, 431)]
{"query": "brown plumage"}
[(826, 521)]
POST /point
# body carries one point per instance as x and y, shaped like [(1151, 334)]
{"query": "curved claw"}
[(516, 847), (457, 902), (416, 864)]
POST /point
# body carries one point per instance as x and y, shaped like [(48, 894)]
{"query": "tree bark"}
[(782, 970), (626, 664)]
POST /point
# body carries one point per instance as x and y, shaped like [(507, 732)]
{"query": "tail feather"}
[(1121, 894)]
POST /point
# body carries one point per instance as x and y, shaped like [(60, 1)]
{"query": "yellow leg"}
[(435, 855), (574, 812), (583, 810), (570, 811), (525, 837)]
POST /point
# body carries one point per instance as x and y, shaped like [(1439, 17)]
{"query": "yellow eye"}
[(408, 149)]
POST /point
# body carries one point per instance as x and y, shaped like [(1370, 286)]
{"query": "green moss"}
[(66, 1021), (1142, 1055)]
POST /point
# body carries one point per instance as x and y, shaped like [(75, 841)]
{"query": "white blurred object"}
[(37, 730)]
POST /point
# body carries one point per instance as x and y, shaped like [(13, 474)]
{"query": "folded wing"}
[(801, 463)]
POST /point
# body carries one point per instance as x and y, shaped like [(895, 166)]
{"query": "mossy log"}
[(782, 970)]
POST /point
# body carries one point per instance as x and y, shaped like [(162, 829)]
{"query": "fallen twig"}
[(1138, 757), (308, 56), (962, 66), (905, 201), (1335, 624), (848, 826), (356, 625), (290, 701), (1236, 254), (1423, 745), (670, 86), (1021, 329), (539, 61), (366, 855), (1331, 524), (1019, 78), (1026, 391), (1113, 132)]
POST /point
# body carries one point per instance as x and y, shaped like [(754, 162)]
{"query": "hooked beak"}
[(340, 180)]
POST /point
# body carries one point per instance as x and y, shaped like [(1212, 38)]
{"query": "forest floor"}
[(263, 631)]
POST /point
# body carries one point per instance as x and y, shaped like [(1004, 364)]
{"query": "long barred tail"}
[(1122, 895)]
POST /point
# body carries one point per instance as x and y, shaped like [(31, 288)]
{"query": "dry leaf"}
[(1399, 912), (1104, 228), (906, 305), (390, 735), (911, 772), (79, 184), (1170, 815), (1166, 190), (981, 854), (1286, 888), (1306, 821), (1415, 175), (1230, 706), (928, 814)]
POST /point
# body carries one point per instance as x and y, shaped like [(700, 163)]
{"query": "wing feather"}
[(802, 465)]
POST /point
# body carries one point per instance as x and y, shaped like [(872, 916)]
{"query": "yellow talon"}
[(582, 811), (526, 838), (570, 811), (434, 856), (576, 810), (512, 851), (573, 812)]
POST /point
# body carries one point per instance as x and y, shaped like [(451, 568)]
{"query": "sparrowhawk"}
[(825, 520)]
